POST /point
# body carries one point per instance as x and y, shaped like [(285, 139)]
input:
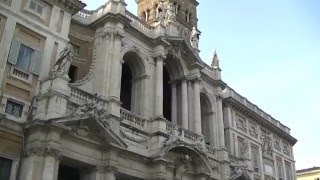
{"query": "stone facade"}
[(107, 95)]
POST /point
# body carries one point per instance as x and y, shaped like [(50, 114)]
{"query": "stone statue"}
[(194, 38), (244, 149), (200, 145), (160, 12), (65, 58), (215, 60), (171, 14), (173, 138), (266, 144)]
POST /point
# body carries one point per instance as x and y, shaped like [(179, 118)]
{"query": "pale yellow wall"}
[(311, 175), (16, 87), (10, 143), (47, 12)]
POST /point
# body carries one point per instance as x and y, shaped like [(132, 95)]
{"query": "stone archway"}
[(133, 82), (186, 162)]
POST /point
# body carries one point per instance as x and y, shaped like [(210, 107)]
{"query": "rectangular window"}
[(5, 168), (288, 171), (255, 158), (279, 168), (14, 109), (36, 7), (25, 57)]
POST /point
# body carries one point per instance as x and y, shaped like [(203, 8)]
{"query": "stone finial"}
[(215, 60)]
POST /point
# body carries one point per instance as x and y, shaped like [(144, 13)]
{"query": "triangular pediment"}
[(240, 176), (181, 49), (89, 126)]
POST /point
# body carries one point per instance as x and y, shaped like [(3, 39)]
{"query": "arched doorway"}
[(132, 82)]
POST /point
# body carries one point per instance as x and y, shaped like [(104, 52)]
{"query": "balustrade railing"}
[(132, 119), (183, 133), (79, 97)]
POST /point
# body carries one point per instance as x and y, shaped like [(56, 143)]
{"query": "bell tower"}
[(186, 11)]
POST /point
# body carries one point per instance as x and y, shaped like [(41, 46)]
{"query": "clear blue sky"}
[(269, 52)]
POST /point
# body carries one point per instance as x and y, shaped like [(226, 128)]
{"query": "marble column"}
[(212, 124), (51, 164), (174, 103), (190, 105), (219, 99), (184, 104), (159, 87), (116, 67), (197, 106)]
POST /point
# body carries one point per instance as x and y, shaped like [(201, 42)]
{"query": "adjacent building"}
[(309, 174), (105, 94)]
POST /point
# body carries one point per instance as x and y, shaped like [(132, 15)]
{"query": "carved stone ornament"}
[(194, 38), (161, 12), (266, 140), (172, 140), (181, 166), (240, 166), (215, 167), (200, 146), (133, 136), (244, 149), (93, 109), (42, 151), (81, 131), (62, 65), (268, 177), (170, 14), (215, 60)]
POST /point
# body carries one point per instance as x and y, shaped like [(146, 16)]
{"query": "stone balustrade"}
[(79, 96), (138, 23), (184, 134), (132, 119), (257, 110)]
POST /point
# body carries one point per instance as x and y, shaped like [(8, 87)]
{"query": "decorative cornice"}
[(71, 6), (106, 169), (251, 114)]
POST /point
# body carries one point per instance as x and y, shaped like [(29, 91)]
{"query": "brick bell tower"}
[(186, 11)]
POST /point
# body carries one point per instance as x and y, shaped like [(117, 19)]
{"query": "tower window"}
[(188, 16)]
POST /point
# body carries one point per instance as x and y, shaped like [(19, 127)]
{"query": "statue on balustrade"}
[(63, 63), (161, 12)]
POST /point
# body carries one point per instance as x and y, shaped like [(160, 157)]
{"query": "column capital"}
[(106, 169), (160, 56), (118, 35), (219, 96)]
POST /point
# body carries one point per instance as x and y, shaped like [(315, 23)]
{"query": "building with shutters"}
[(104, 94)]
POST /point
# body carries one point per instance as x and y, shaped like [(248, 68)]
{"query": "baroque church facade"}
[(107, 95)]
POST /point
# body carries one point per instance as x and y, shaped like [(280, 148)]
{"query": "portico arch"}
[(133, 80), (173, 74), (186, 160), (207, 118)]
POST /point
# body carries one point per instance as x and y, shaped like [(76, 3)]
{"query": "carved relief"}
[(266, 140), (244, 146), (93, 109), (133, 136), (215, 167), (182, 166), (81, 131)]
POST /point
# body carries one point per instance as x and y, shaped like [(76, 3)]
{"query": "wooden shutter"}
[(14, 51), (37, 61)]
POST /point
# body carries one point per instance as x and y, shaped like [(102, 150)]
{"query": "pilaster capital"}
[(106, 169), (219, 96), (43, 151), (52, 152), (107, 34), (159, 56), (118, 35)]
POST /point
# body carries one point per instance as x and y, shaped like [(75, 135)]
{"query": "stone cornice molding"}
[(256, 117), (107, 169), (71, 6)]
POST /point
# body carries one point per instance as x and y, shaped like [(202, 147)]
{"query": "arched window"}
[(132, 81), (206, 114)]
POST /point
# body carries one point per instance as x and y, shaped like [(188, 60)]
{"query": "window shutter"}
[(37, 60), (14, 51)]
